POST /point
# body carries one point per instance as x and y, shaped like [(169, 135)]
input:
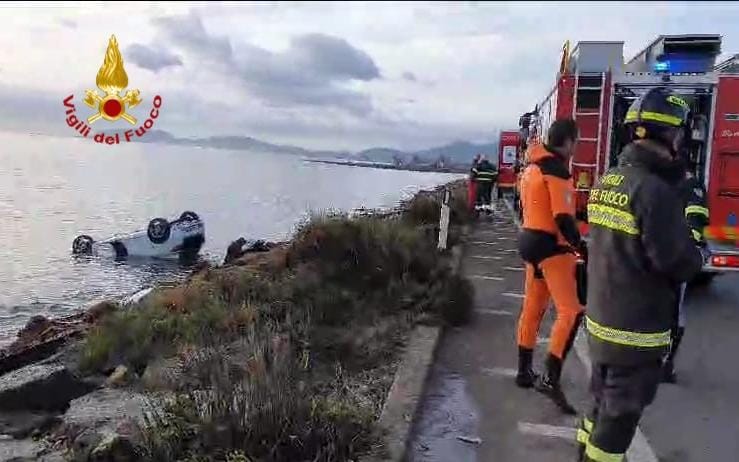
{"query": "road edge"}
[(409, 385)]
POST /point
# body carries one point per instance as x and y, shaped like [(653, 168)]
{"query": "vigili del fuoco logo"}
[(111, 105)]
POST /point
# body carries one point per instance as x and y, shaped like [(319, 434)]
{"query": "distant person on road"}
[(639, 252), (472, 184), (693, 195), (484, 174), (547, 244)]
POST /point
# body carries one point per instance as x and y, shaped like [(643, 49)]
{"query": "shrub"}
[(423, 209), (365, 253), (267, 413), (158, 327)]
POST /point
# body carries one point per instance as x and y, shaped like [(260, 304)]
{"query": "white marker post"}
[(444, 220)]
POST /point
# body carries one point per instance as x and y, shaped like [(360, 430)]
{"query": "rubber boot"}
[(549, 385), (668, 368), (526, 377)]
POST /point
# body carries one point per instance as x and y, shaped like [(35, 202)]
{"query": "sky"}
[(408, 75)]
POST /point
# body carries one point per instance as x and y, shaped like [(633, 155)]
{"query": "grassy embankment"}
[(288, 355)]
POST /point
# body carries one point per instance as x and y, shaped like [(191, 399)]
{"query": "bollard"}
[(444, 220)]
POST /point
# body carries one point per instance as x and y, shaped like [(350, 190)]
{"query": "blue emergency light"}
[(682, 63), (662, 66)]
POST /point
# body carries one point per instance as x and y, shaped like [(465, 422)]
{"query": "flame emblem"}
[(112, 79)]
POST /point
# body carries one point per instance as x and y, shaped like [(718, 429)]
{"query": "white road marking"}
[(511, 250), (512, 295), (487, 278), (494, 312), (542, 340), (484, 243), (567, 433), (640, 450), (503, 238), (514, 268), (500, 371), (485, 257)]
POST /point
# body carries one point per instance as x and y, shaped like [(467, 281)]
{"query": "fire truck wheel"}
[(158, 230)]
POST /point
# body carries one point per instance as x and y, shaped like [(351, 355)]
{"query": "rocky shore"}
[(286, 352)]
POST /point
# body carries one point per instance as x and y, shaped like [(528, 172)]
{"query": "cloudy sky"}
[(322, 75)]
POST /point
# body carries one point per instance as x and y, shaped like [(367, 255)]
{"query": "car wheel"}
[(82, 245), (189, 216), (158, 230)]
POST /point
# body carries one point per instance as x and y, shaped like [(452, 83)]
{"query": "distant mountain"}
[(457, 153), (461, 152), (236, 143)]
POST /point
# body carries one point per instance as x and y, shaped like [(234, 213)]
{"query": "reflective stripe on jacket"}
[(640, 249), (484, 172)]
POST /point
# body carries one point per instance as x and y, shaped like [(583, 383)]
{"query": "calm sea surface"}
[(53, 189)]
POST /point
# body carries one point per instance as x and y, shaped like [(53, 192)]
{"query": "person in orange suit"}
[(547, 244)]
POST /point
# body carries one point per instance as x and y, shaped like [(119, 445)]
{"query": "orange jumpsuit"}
[(548, 237)]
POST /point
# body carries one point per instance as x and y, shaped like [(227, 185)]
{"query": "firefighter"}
[(472, 185), (639, 252), (693, 195), (547, 244), (484, 175)]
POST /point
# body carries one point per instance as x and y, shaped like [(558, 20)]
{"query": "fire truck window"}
[(589, 81), (619, 136)]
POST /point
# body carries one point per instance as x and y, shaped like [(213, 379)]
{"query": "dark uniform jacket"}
[(696, 213), (640, 249), (484, 172)]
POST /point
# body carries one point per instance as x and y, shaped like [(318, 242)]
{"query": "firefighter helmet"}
[(659, 107), (661, 116)]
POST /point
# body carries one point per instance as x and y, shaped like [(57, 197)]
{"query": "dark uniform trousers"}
[(484, 192), (621, 393)]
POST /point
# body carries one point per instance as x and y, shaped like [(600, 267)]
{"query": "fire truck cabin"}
[(595, 87)]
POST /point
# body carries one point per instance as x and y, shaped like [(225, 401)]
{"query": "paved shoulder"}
[(697, 419), (472, 410)]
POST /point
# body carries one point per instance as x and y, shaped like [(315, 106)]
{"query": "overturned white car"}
[(182, 237)]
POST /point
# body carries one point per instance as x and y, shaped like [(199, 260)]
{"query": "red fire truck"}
[(595, 86), (508, 145)]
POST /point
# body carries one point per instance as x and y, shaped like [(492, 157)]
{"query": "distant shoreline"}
[(388, 166)]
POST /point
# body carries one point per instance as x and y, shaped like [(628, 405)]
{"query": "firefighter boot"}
[(526, 376), (549, 385), (668, 368)]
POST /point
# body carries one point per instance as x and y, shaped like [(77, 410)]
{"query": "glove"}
[(705, 254), (582, 249)]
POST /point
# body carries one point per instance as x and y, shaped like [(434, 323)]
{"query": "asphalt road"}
[(697, 419), (471, 394)]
